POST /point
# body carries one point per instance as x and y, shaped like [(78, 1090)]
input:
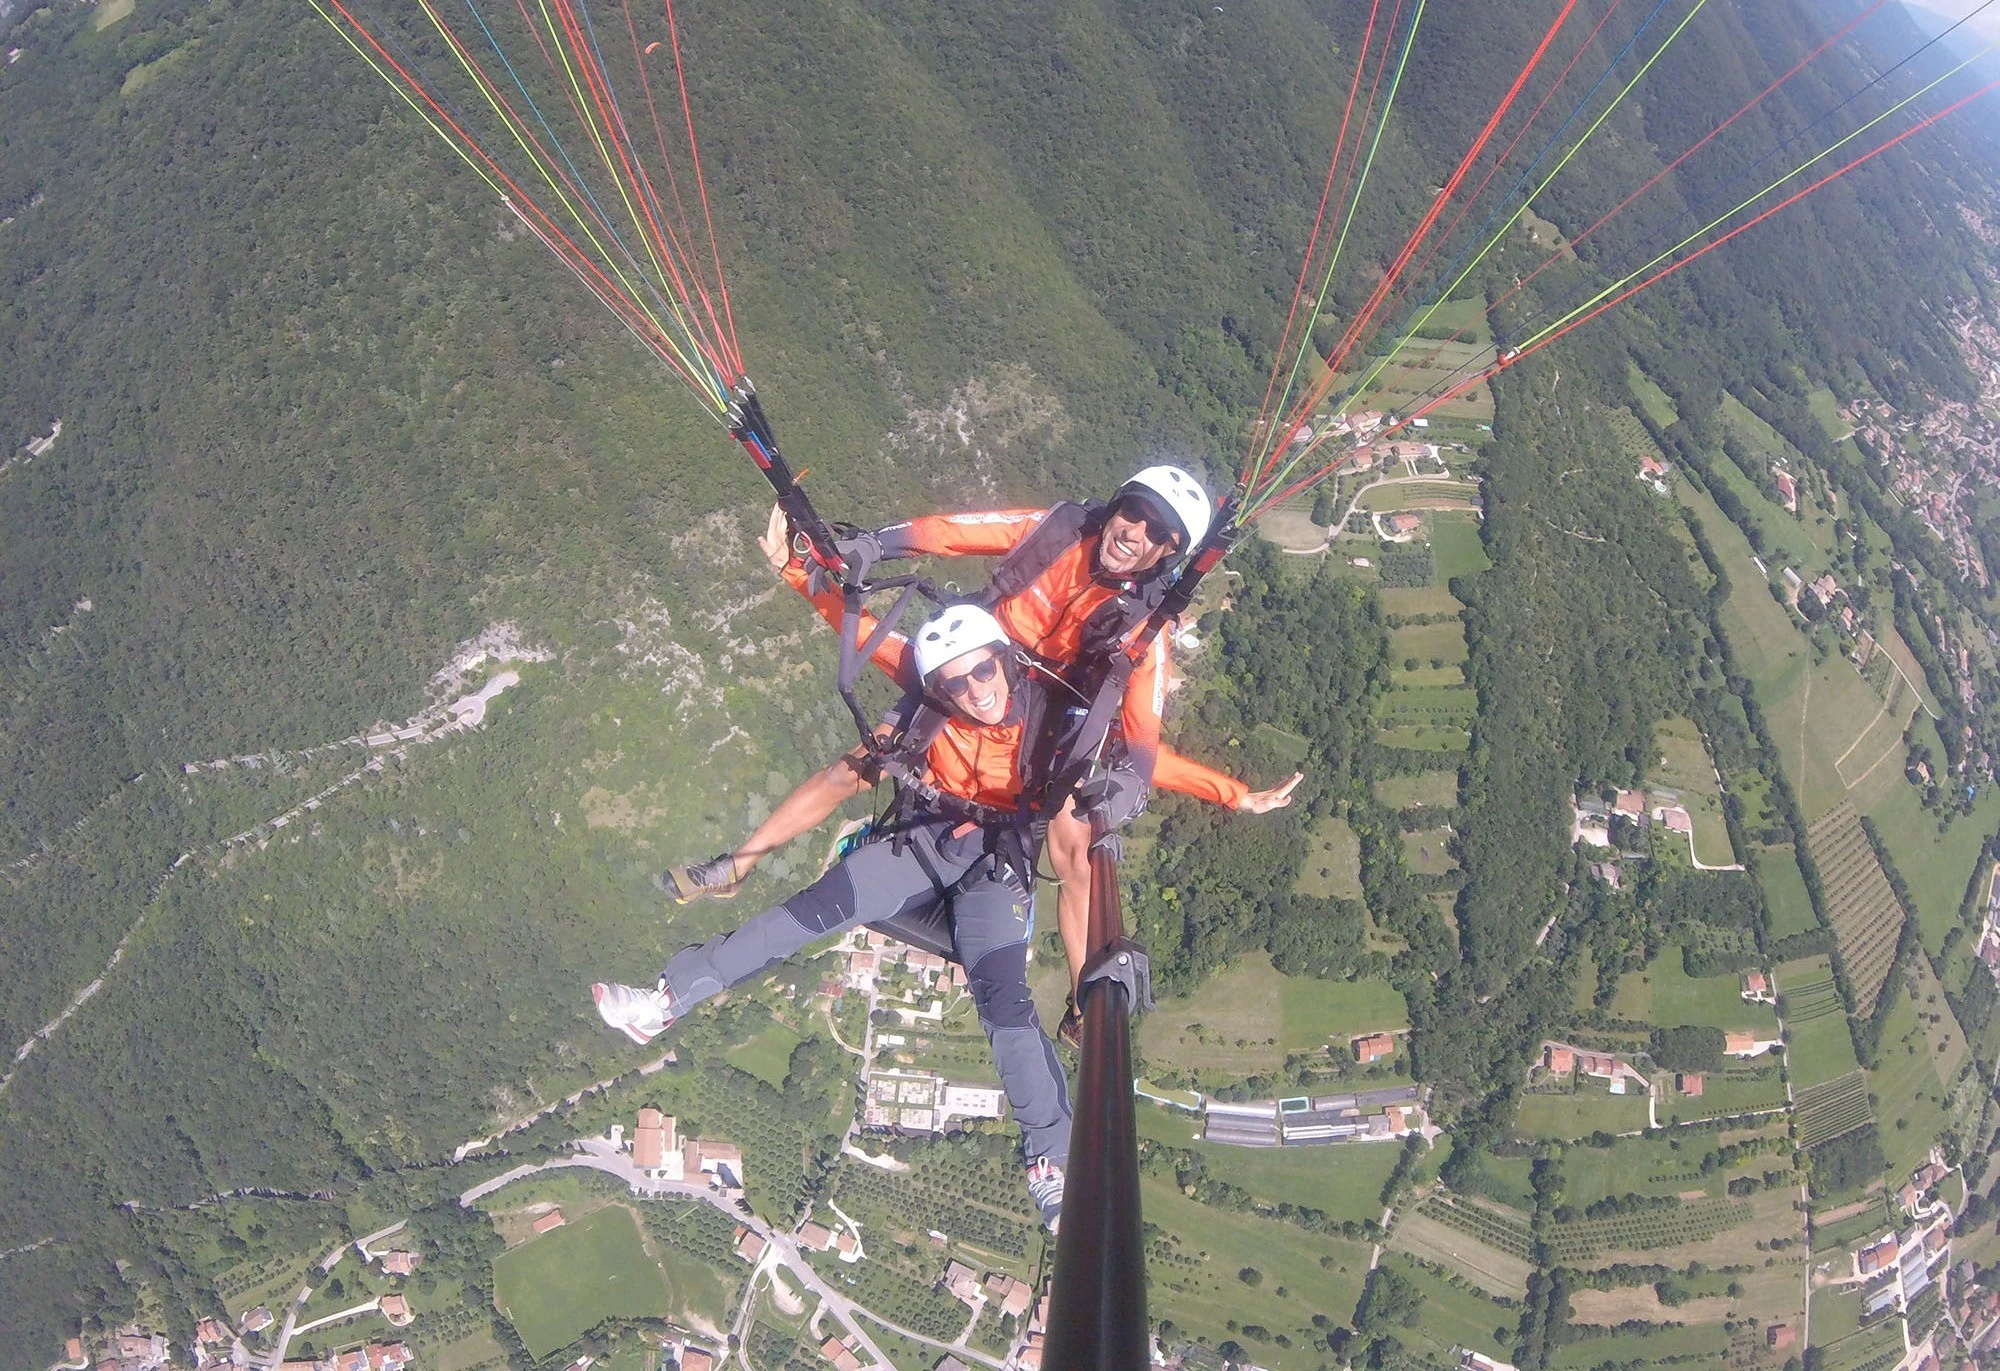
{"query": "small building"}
[(1747, 1044), (393, 1264), (697, 1359), (1788, 489), (1779, 1336), (210, 1331), (1019, 1296), (721, 1162), (962, 1283), (1757, 988), (840, 1354), (552, 1219), (1675, 817), (656, 1149), (1878, 1257), (847, 1245), (1689, 1083), (973, 1102), (258, 1319), (1632, 802), (1651, 467), (1374, 1047), (750, 1246), (950, 1363), (816, 1236), (1403, 523), (1560, 1061), (396, 1309)]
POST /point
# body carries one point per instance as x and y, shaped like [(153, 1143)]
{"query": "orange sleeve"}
[(1159, 765), (892, 658), (989, 534), (1171, 771)]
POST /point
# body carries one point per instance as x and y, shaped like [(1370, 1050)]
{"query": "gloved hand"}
[(860, 553)]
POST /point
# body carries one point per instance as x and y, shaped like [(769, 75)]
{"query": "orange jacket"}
[(1049, 617)]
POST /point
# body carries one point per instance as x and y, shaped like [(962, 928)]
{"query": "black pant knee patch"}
[(999, 986), (824, 905)]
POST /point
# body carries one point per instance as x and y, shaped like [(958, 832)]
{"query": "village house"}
[(552, 1219), (1788, 489), (1747, 1044), (1877, 1257), (1779, 1336), (1652, 468), (258, 1319), (1403, 524), (1559, 1061), (393, 1264), (816, 1236), (1675, 817), (721, 1162), (750, 1246), (1374, 1047), (1758, 989), (1629, 802), (396, 1309), (697, 1359), (961, 1282), (1689, 1083), (972, 1102), (656, 1147), (847, 1246), (1608, 872), (840, 1352), (210, 1331)]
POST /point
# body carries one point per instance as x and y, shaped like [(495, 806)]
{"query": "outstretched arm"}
[(893, 658), (991, 533)]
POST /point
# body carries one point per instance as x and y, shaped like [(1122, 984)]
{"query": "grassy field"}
[(1410, 601), (569, 1280), (1501, 1273), (1197, 1268), (110, 12), (1937, 865), (1454, 1314), (1456, 549), (1431, 789), (1736, 1090), (1427, 852), (1820, 1047), (1443, 642), (1647, 1166), (1910, 1096), (767, 1056), (1247, 1019), (1332, 865), (1664, 994), (1700, 1343), (1864, 1349), (1654, 401), (1580, 1114), (1785, 894), (1683, 764), (1345, 1180), (1440, 738)]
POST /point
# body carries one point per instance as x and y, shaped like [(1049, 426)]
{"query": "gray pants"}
[(990, 926)]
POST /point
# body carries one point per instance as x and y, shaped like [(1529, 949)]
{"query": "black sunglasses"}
[(1135, 510), (955, 686)]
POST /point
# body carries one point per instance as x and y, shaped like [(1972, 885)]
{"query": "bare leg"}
[(804, 809), (1069, 854)]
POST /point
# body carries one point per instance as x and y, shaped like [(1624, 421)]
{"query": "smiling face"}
[(1134, 541), (975, 685)]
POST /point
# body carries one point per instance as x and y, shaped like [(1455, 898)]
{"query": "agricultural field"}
[(969, 1190), (1430, 789), (1410, 601), (1246, 1020), (1696, 1344), (1733, 1090), (1345, 1181), (1213, 1267), (1332, 864), (1831, 1108), (1443, 642), (1664, 994), (1867, 920), (1633, 440), (1455, 1312), (1427, 852), (1785, 894), (1579, 1113), (1694, 1221), (1684, 766), (1456, 1235), (1456, 548), (1937, 864), (1877, 1347), (1667, 1165), (767, 1055), (1656, 403), (1818, 1046), (1911, 1093), (1443, 712), (565, 1282)]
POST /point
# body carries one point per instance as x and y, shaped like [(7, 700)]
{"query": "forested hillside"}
[(328, 415)]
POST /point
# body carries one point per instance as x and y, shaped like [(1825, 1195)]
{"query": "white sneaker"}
[(1045, 1188), (641, 1015)]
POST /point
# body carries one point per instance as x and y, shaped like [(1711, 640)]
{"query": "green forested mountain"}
[(327, 415)]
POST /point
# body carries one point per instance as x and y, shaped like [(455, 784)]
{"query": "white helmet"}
[(953, 633), (1180, 496)]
